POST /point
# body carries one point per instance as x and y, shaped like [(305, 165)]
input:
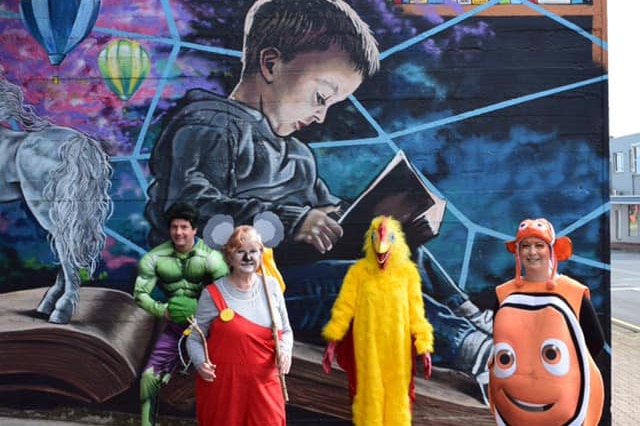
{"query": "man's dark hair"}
[(181, 210)]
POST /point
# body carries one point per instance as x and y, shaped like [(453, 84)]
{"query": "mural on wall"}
[(63, 177), (59, 26), (488, 113)]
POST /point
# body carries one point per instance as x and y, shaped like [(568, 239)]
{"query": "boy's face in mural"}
[(182, 234), (535, 256), (299, 92)]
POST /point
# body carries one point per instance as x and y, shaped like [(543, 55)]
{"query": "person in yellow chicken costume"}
[(379, 313)]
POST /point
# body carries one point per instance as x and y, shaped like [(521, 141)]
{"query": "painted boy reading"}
[(237, 156)]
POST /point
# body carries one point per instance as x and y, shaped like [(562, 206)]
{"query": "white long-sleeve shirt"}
[(251, 304)]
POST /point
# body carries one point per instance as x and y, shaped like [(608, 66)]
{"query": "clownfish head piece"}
[(561, 247)]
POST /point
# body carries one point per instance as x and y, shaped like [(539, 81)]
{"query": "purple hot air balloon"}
[(59, 25)]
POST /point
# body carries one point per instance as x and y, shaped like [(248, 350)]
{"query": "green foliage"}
[(85, 277)]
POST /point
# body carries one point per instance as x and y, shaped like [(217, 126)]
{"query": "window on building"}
[(633, 220), (618, 162), (634, 159)]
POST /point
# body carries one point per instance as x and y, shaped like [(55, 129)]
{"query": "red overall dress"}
[(246, 391)]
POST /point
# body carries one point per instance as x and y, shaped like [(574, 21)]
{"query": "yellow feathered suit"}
[(381, 299)]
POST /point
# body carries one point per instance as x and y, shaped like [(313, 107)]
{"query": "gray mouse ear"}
[(270, 228), (217, 231)]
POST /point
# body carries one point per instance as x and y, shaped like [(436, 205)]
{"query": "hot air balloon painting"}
[(124, 64), (59, 25)]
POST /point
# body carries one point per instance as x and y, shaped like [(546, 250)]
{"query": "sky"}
[(623, 29)]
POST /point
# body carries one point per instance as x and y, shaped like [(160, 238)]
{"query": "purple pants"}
[(164, 356)]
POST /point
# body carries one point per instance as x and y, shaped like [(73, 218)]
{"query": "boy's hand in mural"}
[(319, 229)]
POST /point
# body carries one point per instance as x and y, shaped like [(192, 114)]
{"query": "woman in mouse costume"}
[(243, 341), (546, 337)]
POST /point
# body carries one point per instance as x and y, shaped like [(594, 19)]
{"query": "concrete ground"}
[(625, 385)]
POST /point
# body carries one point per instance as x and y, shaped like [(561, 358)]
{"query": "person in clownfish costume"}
[(378, 326), (546, 337)]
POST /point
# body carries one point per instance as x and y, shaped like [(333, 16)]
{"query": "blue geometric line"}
[(137, 36), (116, 236), (374, 123), (169, 41), (565, 23), (156, 99), (466, 259), (378, 140), (589, 262), (595, 213), (497, 106), (171, 23), (122, 158)]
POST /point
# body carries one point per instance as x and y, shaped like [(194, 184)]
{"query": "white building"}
[(624, 157)]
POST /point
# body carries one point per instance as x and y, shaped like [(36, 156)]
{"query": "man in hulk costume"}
[(170, 279)]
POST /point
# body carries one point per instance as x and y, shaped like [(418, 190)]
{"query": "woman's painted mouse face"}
[(247, 258)]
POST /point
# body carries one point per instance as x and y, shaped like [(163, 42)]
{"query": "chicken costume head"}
[(385, 243)]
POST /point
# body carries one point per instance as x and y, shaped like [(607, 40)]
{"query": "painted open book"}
[(397, 191), (95, 357)]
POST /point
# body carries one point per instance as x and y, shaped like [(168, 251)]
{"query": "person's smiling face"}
[(247, 258), (182, 234), (535, 256), (302, 90)]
